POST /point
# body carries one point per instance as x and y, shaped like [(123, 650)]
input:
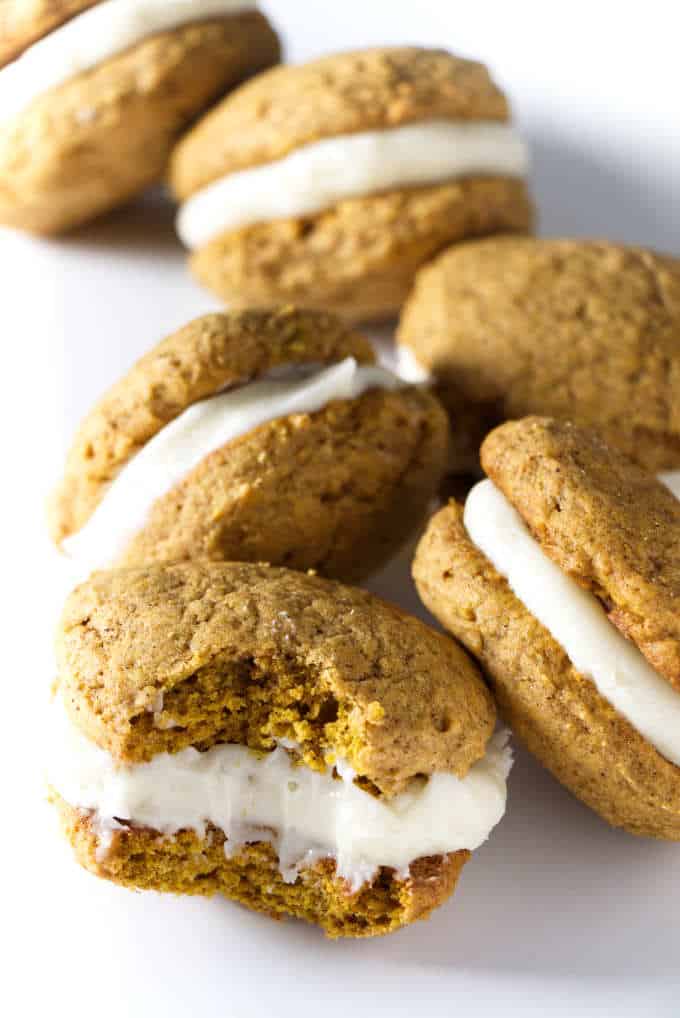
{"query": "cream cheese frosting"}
[(305, 814), (408, 367), (576, 620), (201, 429), (94, 36), (318, 175), (672, 481)]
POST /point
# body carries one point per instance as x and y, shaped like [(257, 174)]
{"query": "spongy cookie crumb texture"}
[(189, 864), (157, 659)]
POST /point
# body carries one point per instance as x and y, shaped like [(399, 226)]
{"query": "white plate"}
[(557, 914)]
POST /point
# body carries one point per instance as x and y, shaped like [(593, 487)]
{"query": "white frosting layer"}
[(576, 620), (94, 36), (672, 480), (323, 173), (204, 427), (305, 814), (409, 367)]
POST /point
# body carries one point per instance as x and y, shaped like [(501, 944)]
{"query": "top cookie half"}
[(208, 355), (582, 330), (222, 652), (341, 94), (605, 521)]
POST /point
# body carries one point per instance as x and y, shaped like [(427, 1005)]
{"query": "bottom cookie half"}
[(360, 257), (186, 863)]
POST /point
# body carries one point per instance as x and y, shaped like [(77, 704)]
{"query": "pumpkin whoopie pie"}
[(328, 184), (93, 95), (582, 330), (297, 745), (562, 577), (253, 436)]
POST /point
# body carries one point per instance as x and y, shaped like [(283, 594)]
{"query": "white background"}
[(557, 914)]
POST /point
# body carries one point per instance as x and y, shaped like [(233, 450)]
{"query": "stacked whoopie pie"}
[(295, 744)]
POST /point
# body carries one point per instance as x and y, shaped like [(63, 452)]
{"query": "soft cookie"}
[(291, 743), (94, 94), (576, 329), (329, 184), (562, 576), (253, 436)]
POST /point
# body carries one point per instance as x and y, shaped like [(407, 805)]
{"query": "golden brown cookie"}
[(604, 520), (238, 662), (575, 329), (88, 144), (337, 490), (189, 864), (355, 253), (616, 531), (362, 679)]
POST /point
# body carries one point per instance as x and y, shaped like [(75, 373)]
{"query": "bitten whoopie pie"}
[(576, 329), (329, 184), (253, 436), (294, 744), (562, 577), (94, 94)]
